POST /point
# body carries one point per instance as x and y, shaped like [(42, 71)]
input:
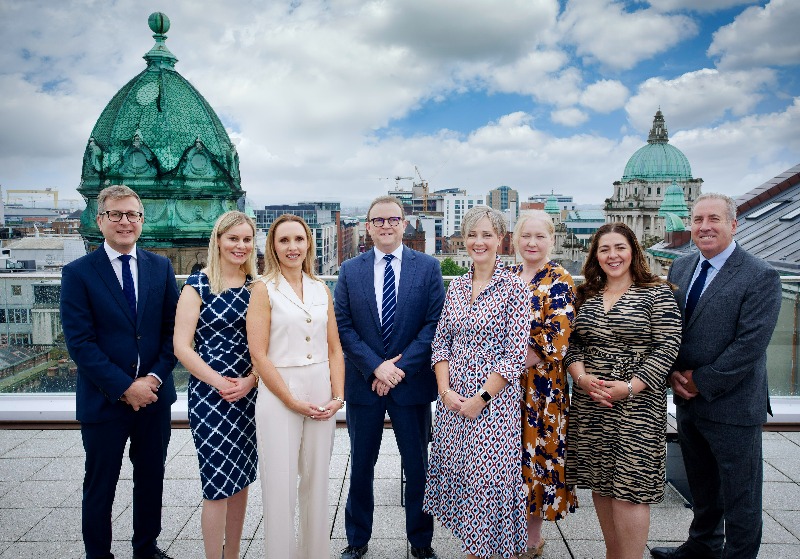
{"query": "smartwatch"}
[(485, 396)]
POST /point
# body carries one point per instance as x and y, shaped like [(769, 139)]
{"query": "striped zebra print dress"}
[(620, 452)]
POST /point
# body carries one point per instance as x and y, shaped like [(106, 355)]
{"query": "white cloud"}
[(697, 5), (760, 37), (569, 116), (698, 98), (605, 96), (603, 31)]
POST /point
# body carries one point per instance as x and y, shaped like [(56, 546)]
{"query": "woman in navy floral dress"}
[(211, 342), (545, 395), (474, 484)]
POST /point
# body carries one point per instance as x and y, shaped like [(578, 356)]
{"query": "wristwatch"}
[(485, 396)]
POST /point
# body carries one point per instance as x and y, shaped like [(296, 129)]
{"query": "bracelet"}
[(338, 399), (630, 390), (578, 380), (255, 375), (444, 393)]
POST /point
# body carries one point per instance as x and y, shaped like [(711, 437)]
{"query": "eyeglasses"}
[(115, 216), (379, 221)]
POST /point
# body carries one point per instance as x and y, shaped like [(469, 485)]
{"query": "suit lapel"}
[(726, 273), (144, 273), (408, 269), (367, 273), (106, 273)]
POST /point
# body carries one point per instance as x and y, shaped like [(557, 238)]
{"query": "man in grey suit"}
[(730, 302)]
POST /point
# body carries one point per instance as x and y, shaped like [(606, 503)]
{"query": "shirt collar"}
[(397, 253), (719, 260), (113, 254)]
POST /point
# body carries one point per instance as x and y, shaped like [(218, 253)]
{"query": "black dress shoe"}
[(353, 552), (157, 554), (682, 552), (424, 553)]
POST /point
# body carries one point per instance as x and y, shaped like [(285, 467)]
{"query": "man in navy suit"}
[(387, 303), (730, 302), (118, 313)]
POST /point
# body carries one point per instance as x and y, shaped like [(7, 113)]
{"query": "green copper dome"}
[(658, 161), (160, 137), (674, 202), (551, 206), (674, 223)]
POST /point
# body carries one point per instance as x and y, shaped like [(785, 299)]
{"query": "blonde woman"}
[(294, 343), (210, 341), (545, 395)]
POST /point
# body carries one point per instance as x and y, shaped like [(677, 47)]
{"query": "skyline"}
[(332, 100)]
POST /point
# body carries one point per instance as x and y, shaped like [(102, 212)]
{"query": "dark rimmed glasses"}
[(379, 221), (115, 216)]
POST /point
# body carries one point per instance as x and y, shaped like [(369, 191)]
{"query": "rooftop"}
[(40, 496)]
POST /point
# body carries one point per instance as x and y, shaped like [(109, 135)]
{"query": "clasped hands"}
[(387, 376), (683, 384), (143, 391), (603, 392), (466, 407), (315, 412)]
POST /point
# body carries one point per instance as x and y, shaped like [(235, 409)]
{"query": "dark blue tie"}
[(127, 283), (697, 289), (389, 302)]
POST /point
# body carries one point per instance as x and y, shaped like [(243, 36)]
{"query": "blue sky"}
[(324, 98)]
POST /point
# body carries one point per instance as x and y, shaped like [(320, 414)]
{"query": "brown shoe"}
[(532, 552)]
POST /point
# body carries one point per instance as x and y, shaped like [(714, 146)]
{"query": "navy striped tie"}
[(696, 290), (389, 302), (127, 283)]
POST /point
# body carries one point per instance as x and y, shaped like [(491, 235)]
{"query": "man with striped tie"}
[(388, 302)]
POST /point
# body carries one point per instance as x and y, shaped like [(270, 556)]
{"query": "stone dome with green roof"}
[(658, 160), (159, 136), (551, 206)]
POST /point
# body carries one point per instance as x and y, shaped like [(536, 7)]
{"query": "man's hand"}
[(388, 374), (682, 384), (141, 392), (380, 388)]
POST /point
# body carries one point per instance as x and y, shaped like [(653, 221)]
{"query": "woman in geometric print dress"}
[(545, 395), (210, 341), (625, 338), (474, 484)]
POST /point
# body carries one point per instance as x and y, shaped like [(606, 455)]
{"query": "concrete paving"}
[(40, 494)]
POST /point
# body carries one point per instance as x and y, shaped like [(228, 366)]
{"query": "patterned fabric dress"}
[(224, 433), (545, 395), (474, 484), (620, 452)]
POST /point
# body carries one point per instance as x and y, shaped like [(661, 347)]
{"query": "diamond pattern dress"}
[(474, 484), (224, 433)]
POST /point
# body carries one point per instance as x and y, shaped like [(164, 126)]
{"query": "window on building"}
[(16, 290), (658, 191)]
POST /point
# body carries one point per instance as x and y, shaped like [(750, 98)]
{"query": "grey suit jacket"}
[(725, 341)]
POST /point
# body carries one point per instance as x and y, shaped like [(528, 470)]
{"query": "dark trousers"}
[(104, 444), (725, 472), (411, 426)]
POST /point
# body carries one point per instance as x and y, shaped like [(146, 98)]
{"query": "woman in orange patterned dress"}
[(545, 401)]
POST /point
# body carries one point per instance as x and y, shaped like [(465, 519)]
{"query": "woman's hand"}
[(453, 401), (236, 388), (597, 390), (330, 408), (472, 407), (616, 390), (532, 358), (310, 410)]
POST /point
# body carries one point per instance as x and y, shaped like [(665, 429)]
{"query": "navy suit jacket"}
[(103, 340), (420, 297), (725, 341)]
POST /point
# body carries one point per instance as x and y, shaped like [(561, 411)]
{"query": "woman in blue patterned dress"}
[(211, 342), (474, 484)]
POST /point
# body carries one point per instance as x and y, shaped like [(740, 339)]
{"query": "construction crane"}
[(424, 185), (399, 178), (48, 191)]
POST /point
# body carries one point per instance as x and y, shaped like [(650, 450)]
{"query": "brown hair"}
[(594, 276), (272, 264)]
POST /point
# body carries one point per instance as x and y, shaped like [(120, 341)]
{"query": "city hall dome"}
[(658, 161)]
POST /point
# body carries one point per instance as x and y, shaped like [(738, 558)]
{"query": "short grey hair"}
[(730, 203), (115, 192), (385, 199), (473, 216)]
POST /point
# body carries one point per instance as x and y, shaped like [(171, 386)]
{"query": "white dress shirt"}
[(716, 265)]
